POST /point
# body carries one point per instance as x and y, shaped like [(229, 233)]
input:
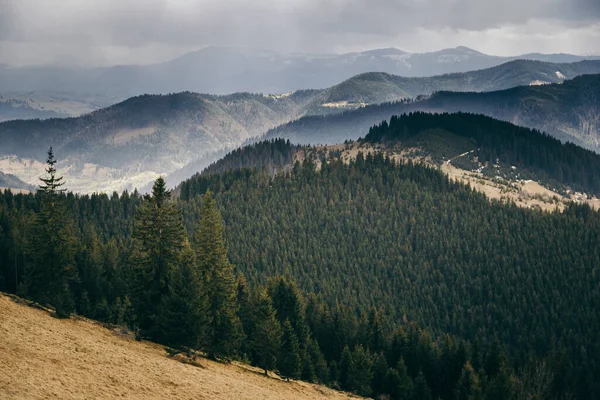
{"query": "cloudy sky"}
[(106, 32)]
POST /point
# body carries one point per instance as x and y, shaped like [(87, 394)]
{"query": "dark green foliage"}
[(453, 277), (468, 386), (492, 140), (318, 361), (361, 371), (183, 311), (501, 387), (288, 304), (289, 362), (224, 330), (435, 252), (158, 239), (266, 333), (380, 370), (421, 390), (346, 365), (397, 383), (51, 268)]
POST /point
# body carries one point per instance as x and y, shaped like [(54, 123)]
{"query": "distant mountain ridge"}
[(223, 70), (569, 111), (127, 145)]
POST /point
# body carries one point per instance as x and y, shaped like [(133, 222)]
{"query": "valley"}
[(124, 146)]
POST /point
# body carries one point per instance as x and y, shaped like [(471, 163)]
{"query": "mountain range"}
[(126, 145), (568, 111), (224, 70)]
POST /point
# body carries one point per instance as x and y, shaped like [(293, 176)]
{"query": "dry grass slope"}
[(42, 357)]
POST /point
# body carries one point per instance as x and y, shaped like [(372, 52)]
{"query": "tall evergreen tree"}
[(421, 390), (266, 334), (288, 304), (289, 362), (468, 386), (183, 311), (361, 373), (51, 268), (346, 365), (224, 329), (158, 239)]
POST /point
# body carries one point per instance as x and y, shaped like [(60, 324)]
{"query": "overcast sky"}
[(106, 32)]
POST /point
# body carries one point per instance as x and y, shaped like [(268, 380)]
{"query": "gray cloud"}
[(126, 31)]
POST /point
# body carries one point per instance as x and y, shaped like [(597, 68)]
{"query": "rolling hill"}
[(128, 144), (568, 111)]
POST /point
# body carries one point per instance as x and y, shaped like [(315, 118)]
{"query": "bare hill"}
[(44, 357)]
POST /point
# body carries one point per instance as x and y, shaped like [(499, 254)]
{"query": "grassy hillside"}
[(47, 357)]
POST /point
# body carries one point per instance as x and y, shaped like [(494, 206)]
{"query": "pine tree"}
[(346, 365), (266, 334), (182, 313), (85, 306), (289, 362), (158, 239), (467, 387), (361, 373), (51, 269), (245, 314), (376, 340), (289, 305), (421, 390), (224, 330), (318, 361), (501, 386), (379, 372)]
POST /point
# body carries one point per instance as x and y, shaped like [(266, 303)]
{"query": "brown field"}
[(42, 357)]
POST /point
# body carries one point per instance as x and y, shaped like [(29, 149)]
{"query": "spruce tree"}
[(224, 330), (52, 246), (266, 334), (346, 365), (379, 371), (361, 373), (183, 311), (289, 362), (289, 305), (158, 239), (468, 387), (421, 390), (318, 361), (245, 314)]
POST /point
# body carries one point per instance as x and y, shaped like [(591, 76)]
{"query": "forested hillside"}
[(377, 87), (369, 276), (567, 111)]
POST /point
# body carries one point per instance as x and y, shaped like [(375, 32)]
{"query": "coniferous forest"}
[(374, 277)]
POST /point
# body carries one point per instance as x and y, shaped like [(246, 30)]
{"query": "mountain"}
[(413, 242), (8, 181), (128, 144), (387, 264), (44, 105), (223, 70), (568, 111)]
